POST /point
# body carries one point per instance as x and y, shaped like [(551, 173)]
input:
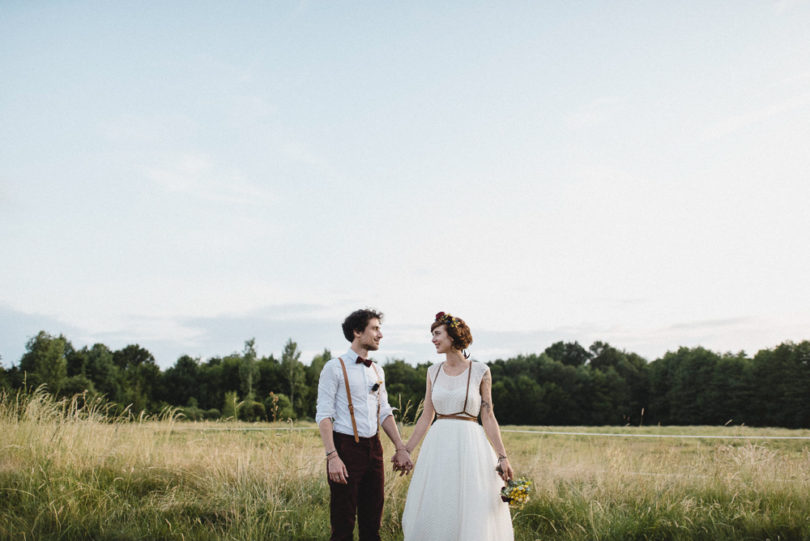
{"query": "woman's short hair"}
[(358, 321), (458, 330)]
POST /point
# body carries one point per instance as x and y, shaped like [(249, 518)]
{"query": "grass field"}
[(70, 472)]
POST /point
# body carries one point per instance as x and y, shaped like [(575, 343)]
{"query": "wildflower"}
[(516, 492)]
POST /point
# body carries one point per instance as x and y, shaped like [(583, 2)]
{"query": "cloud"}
[(5, 198), (140, 129), (168, 337), (785, 6), (710, 324), (721, 335), (246, 110), (215, 336), (731, 124), (17, 327), (595, 113), (196, 175), (300, 153), (315, 327)]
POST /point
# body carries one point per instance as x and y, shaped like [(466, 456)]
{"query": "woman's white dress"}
[(454, 494)]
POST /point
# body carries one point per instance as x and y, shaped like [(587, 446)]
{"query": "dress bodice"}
[(449, 392)]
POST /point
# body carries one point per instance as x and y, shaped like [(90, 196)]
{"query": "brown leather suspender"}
[(349, 396), (379, 389)]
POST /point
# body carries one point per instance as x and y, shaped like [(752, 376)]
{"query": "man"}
[(348, 422)]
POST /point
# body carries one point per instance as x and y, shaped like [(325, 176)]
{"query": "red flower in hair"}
[(447, 319)]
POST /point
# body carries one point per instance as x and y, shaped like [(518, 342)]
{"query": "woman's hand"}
[(505, 469), (337, 471), (402, 461)]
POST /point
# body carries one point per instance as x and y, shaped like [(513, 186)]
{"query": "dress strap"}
[(467, 393), (433, 385), (437, 374)]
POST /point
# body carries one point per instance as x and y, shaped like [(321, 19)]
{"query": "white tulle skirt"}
[(454, 493)]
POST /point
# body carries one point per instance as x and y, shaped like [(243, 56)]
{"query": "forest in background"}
[(567, 384)]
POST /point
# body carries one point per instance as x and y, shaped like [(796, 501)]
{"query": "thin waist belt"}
[(457, 417)]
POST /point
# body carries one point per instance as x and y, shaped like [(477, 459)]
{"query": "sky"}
[(186, 176)]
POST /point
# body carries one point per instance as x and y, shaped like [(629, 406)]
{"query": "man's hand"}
[(402, 462), (336, 470)]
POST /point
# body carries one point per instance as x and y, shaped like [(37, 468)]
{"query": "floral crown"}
[(448, 320)]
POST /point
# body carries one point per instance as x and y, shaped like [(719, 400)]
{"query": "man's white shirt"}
[(333, 402)]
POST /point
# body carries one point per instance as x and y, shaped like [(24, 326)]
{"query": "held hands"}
[(402, 461)]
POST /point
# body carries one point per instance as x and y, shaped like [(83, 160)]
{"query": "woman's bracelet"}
[(403, 449), (502, 457)]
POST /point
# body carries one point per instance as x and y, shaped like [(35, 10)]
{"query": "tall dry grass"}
[(72, 469), (69, 470), (639, 488)]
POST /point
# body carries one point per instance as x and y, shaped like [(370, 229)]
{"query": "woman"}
[(455, 491)]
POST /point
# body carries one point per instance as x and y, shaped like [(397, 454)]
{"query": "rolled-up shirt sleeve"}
[(385, 408), (327, 391)]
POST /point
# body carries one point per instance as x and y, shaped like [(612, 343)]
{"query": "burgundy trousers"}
[(363, 496)]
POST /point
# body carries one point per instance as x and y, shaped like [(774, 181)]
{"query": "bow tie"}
[(366, 362)]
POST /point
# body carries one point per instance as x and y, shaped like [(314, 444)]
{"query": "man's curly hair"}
[(358, 321)]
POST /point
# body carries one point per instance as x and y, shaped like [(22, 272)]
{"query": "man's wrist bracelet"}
[(331, 453)]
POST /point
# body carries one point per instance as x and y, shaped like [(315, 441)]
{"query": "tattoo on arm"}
[(486, 405)]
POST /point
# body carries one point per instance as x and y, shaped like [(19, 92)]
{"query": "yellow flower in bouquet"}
[(516, 492)]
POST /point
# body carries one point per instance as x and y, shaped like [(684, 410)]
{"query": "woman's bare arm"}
[(422, 425), (491, 427)]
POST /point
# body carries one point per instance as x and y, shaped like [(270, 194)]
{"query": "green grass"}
[(69, 470)]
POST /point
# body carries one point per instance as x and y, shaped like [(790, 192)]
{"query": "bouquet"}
[(516, 492)]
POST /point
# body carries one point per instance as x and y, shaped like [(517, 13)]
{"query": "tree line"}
[(566, 384)]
